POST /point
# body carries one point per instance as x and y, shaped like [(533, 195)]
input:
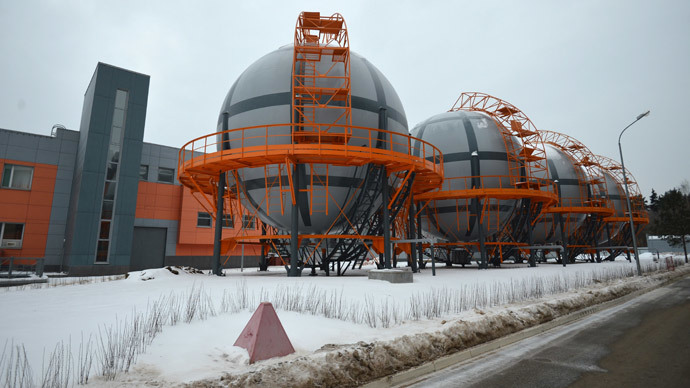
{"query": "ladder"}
[(320, 89), (277, 189), (318, 188)]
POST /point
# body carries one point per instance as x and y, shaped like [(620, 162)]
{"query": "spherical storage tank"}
[(616, 196), (262, 96), (459, 135), (572, 192)]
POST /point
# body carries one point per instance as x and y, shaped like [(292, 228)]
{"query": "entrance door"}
[(148, 248)]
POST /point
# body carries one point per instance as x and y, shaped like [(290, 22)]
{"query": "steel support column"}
[(385, 214), (411, 234), (530, 238), (596, 238), (294, 225), (219, 226), (420, 246), (263, 263), (484, 264), (564, 240), (608, 236)]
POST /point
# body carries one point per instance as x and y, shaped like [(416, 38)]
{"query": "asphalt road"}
[(642, 343)]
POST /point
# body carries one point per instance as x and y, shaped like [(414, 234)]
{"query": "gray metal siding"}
[(156, 156), (67, 146), (4, 140)]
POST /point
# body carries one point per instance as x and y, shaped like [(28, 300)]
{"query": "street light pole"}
[(627, 193)]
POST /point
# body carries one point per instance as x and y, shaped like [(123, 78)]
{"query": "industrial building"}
[(100, 200)]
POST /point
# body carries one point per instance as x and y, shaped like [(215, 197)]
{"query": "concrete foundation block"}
[(395, 275)]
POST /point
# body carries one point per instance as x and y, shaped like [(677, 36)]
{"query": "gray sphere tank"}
[(571, 193), (262, 96), (458, 135), (616, 195)]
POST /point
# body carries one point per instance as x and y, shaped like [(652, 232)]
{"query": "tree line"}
[(669, 215)]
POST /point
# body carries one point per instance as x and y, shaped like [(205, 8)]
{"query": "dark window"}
[(105, 230), (144, 172), (107, 211), (203, 220), (102, 251), (11, 235), (227, 221), (166, 175), (17, 177), (109, 190), (248, 222), (111, 172), (114, 153)]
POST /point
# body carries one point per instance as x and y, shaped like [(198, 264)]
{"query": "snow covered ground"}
[(315, 312)]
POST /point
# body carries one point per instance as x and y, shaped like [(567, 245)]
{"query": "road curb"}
[(414, 373)]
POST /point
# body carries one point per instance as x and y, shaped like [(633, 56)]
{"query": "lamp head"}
[(645, 114)]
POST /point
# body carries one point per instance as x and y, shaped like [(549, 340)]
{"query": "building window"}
[(17, 177), (144, 172), (227, 221), (107, 209), (112, 174), (102, 251), (203, 220), (166, 175), (11, 235), (248, 222)]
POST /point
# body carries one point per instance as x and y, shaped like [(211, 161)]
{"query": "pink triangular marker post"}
[(264, 336)]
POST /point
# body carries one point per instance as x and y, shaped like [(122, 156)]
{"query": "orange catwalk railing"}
[(200, 160)]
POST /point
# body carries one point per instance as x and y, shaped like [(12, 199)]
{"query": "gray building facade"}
[(106, 174)]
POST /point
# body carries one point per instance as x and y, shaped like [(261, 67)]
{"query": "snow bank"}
[(163, 273), (353, 365)]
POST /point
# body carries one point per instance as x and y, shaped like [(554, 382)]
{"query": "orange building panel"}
[(173, 202), (158, 201), (198, 241), (31, 208)]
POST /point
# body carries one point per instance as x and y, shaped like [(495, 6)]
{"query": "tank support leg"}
[(411, 235), (610, 243), (530, 239), (564, 239), (294, 235), (386, 220), (420, 247), (383, 143), (482, 247), (263, 264), (595, 240), (394, 256), (217, 270)]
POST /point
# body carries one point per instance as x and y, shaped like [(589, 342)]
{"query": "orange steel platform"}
[(200, 161)]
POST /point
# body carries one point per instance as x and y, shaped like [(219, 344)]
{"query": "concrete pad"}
[(394, 275)]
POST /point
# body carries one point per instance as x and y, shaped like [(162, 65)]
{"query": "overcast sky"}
[(583, 68)]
